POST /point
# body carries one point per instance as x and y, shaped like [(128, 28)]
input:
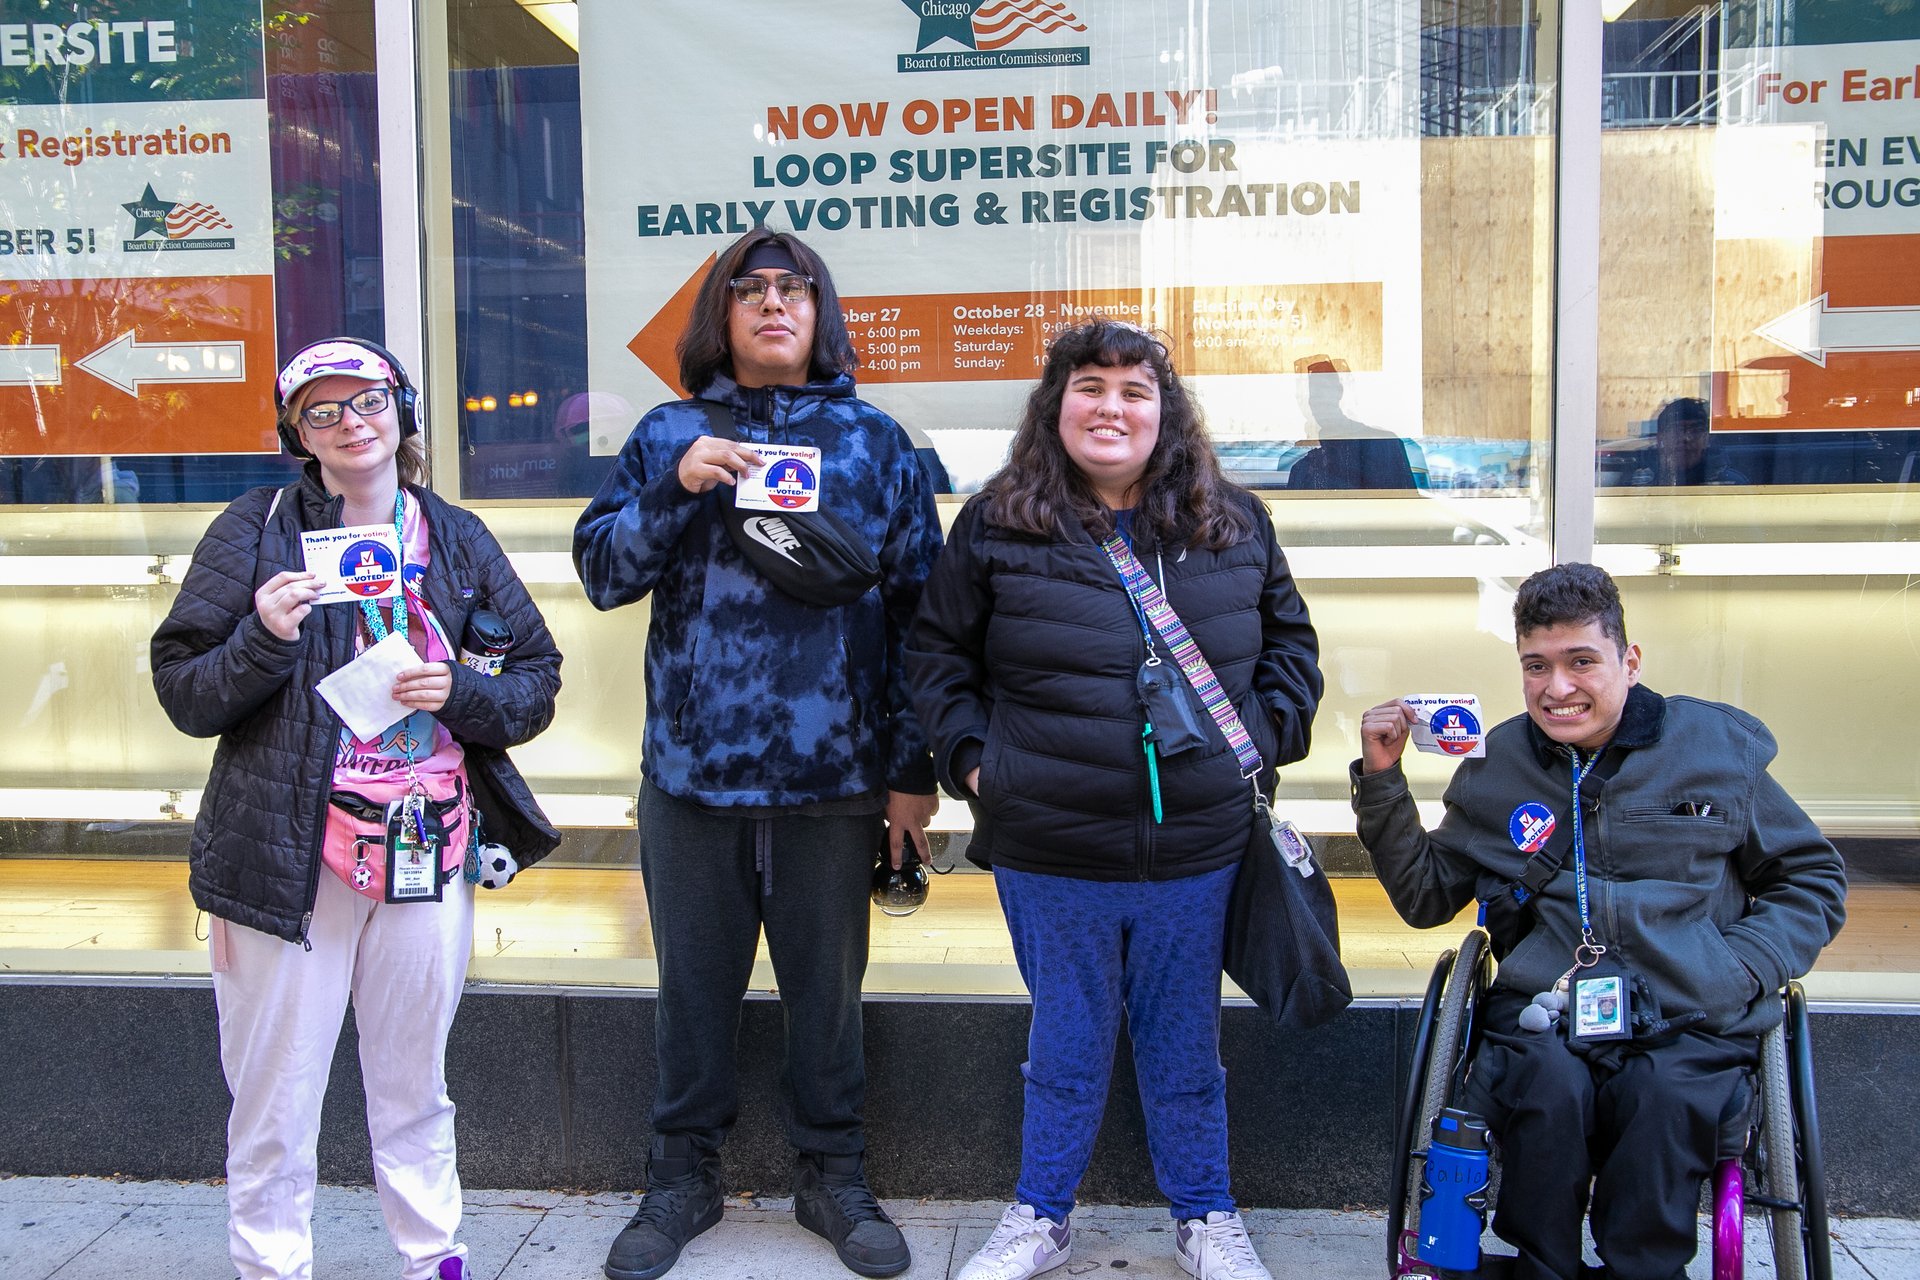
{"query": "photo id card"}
[(360, 562), (413, 864), (1448, 724), (1600, 1007), (787, 480)]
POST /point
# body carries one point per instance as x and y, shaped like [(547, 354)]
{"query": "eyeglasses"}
[(324, 415), (749, 291)]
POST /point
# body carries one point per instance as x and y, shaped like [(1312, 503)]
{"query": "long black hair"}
[(703, 350), (1185, 500)]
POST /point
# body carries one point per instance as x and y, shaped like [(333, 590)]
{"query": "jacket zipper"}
[(332, 743)]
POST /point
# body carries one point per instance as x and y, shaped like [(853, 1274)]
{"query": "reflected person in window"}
[(780, 749), (1113, 865), (290, 854)]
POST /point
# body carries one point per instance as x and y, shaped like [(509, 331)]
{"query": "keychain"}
[(415, 835)]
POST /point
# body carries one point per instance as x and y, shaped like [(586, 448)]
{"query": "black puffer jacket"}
[(1026, 652), (255, 857)]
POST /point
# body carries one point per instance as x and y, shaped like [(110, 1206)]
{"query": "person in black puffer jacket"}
[(307, 905), (1114, 856)]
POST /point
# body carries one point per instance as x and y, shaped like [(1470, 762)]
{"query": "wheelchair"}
[(1779, 1173)]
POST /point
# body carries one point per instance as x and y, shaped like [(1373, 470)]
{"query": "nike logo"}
[(772, 533)]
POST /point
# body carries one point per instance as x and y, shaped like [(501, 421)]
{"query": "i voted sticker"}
[(789, 480), (1531, 826), (360, 562), (369, 570), (1448, 724)]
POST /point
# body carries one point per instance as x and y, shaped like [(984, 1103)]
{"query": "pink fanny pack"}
[(355, 844)]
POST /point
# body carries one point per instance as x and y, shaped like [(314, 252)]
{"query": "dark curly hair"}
[(1573, 595), (1185, 500), (703, 349)]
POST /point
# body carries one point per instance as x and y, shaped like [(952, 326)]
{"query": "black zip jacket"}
[(255, 856), (1024, 656)]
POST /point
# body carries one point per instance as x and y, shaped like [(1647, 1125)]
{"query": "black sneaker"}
[(830, 1198), (682, 1200)]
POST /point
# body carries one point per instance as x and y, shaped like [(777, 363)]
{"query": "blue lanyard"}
[(375, 623), (1589, 951), (378, 626)]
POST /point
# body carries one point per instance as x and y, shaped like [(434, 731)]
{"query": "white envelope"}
[(362, 691)]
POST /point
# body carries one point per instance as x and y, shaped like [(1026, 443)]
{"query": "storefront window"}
[(1341, 213), (1760, 396)]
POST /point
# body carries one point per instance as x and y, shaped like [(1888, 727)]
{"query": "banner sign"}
[(979, 174), (1817, 238), (136, 229)]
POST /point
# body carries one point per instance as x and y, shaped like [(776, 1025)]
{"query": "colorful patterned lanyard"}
[(1588, 953), (1147, 594)]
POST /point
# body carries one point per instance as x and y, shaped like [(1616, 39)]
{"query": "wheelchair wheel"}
[(1809, 1165), (1442, 1041), (1789, 1176)]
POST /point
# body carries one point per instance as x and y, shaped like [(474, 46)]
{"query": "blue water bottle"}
[(1453, 1207)]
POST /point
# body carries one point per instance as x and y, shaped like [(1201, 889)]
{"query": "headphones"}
[(406, 399)]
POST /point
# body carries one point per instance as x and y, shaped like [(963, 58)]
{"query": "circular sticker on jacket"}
[(1530, 826), (1456, 731), (367, 568), (791, 483)]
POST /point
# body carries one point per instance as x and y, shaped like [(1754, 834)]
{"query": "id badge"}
[(414, 837), (1602, 1004)]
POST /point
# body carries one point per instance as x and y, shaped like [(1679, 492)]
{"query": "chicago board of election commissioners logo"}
[(178, 224), (989, 30)]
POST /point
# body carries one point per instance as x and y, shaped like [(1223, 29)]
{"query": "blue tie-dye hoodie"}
[(753, 698)]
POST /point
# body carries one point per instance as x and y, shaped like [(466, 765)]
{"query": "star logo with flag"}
[(149, 213), (944, 20)]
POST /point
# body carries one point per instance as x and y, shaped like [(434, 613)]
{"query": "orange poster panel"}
[(1820, 335), (154, 366)]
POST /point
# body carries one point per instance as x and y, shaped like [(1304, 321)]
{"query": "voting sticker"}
[(1448, 724), (788, 480), (361, 562)]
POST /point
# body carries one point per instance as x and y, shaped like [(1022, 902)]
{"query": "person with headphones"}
[(335, 866)]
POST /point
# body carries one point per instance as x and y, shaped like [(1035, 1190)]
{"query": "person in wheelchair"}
[(1648, 888)]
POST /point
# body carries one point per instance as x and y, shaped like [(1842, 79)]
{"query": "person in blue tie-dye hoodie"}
[(779, 739)]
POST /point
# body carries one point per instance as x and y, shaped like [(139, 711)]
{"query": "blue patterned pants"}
[(1089, 949)]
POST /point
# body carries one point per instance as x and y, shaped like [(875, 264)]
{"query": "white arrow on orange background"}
[(1814, 329), (30, 365), (130, 365)]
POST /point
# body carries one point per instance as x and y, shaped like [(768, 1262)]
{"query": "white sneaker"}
[(1216, 1248), (1021, 1246)]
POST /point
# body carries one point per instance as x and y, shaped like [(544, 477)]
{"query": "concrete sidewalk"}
[(95, 1229)]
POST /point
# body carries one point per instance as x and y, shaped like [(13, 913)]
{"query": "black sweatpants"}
[(1644, 1126), (708, 880)]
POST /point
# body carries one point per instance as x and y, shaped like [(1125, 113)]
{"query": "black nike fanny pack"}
[(813, 556)]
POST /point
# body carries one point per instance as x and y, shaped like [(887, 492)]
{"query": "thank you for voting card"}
[(1448, 724), (360, 562), (787, 480)]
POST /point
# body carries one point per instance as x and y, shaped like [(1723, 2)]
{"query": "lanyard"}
[(378, 626), (1589, 951), (375, 623)]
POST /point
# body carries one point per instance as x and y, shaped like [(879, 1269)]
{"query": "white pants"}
[(280, 1010)]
